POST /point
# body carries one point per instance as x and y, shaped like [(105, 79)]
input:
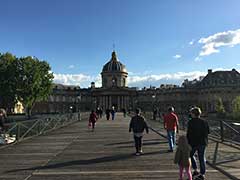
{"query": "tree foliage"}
[(35, 81), (220, 107), (8, 80), (236, 108), (26, 79)]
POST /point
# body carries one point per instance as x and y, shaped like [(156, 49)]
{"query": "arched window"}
[(114, 81), (104, 81)]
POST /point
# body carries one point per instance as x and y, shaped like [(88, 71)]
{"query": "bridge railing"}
[(220, 130), (29, 128), (223, 149)]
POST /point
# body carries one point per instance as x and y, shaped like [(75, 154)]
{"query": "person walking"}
[(107, 114), (155, 114), (3, 116), (171, 125), (100, 112), (138, 125), (113, 113), (92, 120), (124, 112), (197, 135), (182, 157)]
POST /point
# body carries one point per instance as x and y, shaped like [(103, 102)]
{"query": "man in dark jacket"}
[(197, 134), (138, 124)]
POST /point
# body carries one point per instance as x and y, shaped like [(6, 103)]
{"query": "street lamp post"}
[(78, 107), (136, 103), (153, 108)]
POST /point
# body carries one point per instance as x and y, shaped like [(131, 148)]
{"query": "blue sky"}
[(159, 41)]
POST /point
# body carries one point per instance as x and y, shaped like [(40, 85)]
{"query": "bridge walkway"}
[(74, 152)]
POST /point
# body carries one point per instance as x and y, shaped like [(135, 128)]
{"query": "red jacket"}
[(93, 117), (170, 121)]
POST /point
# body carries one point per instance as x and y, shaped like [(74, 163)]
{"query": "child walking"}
[(92, 120), (182, 157)]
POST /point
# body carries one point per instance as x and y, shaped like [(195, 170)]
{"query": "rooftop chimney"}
[(92, 85), (209, 71)]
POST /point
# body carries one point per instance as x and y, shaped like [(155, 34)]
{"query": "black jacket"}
[(197, 132), (138, 124)]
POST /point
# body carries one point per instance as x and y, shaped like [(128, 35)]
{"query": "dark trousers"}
[(201, 156), (138, 143), (93, 123)]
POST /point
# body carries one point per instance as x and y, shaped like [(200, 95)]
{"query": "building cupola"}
[(114, 73)]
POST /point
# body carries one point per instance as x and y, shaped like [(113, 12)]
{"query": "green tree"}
[(236, 108), (219, 107), (8, 80), (34, 81)]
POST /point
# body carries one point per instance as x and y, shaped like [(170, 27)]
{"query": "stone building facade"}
[(115, 92)]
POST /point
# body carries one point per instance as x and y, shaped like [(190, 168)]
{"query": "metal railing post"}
[(18, 132), (221, 130), (215, 153)]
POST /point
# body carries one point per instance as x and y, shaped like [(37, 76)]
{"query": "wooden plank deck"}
[(74, 152)]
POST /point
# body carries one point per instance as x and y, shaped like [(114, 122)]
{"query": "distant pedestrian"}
[(137, 125), (100, 112), (124, 112), (93, 119), (197, 135), (155, 114), (182, 157), (3, 116), (171, 125), (108, 114), (113, 113)]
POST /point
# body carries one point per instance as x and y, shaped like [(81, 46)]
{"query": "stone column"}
[(100, 101), (122, 104), (125, 101), (104, 101), (110, 101), (119, 103), (107, 101)]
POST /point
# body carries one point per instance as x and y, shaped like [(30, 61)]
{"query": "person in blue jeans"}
[(113, 113), (197, 135), (171, 125)]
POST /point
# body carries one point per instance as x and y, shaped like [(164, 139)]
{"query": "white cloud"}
[(191, 42), (238, 64), (133, 80), (221, 39), (98, 81), (197, 59), (147, 72), (177, 56), (71, 67), (156, 80), (72, 79), (81, 80)]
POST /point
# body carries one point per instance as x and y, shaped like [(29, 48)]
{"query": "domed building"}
[(114, 73), (114, 90)]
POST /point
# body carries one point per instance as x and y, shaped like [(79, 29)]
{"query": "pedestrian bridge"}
[(74, 152)]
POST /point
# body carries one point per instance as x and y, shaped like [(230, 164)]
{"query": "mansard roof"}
[(221, 78), (65, 87)]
